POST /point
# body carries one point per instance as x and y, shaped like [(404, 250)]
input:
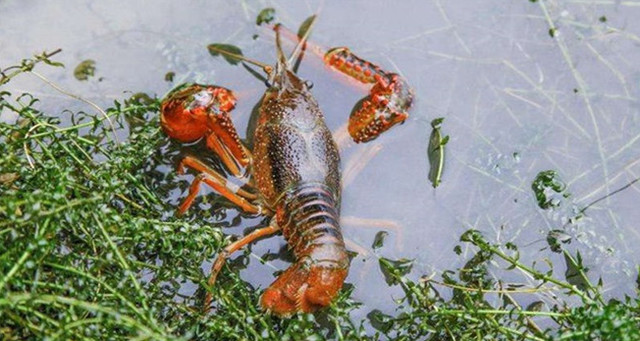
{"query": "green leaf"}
[(457, 249), (380, 321), (228, 52), (572, 274), (475, 271), (549, 189), (437, 122), (306, 25), (52, 63), (435, 152), (378, 241), (394, 270), (140, 98), (557, 237), (266, 16), (84, 70)]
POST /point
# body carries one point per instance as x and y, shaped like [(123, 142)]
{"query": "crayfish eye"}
[(267, 83), (309, 84)]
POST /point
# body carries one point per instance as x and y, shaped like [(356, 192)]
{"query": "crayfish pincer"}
[(292, 174)]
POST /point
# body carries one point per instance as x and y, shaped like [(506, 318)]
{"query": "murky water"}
[(516, 101)]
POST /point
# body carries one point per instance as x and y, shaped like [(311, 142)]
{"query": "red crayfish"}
[(294, 167)]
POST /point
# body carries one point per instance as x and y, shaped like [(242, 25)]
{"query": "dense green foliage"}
[(86, 253)]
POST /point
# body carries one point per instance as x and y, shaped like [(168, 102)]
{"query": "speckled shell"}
[(292, 144)]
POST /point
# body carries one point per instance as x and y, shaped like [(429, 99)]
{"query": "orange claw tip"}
[(388, 104), (369, 120)]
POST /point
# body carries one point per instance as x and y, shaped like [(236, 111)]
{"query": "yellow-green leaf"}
[(435, 152)]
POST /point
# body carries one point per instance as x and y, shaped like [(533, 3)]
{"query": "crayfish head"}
[(185, 112), (303, 288)]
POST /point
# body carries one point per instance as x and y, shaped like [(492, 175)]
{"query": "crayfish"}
[(293, 168)]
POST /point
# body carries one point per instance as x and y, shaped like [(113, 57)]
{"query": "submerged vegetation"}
[(88, 253)]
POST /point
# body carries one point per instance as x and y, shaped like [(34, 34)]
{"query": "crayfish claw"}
[(388, 104), (194, 111), (185, 111)]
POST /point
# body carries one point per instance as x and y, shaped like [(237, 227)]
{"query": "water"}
[(516, 101)]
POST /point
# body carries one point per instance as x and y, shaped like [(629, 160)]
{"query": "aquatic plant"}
[(88, 253)]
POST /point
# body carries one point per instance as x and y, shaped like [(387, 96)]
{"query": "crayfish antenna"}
[(303, 40), (282, 61), (265, 67)]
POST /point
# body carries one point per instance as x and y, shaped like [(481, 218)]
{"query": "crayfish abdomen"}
[(309, 217)]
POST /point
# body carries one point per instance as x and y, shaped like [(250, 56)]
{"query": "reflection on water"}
[(516, 101)]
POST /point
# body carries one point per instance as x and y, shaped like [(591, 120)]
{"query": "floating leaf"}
[(548, 189), (457, 249), (437, 122), (232, 54), (305, 26), (84, 70), (169, 76), (557, 237), (265, 16), (378, 241), (436, 152), (395, 269)]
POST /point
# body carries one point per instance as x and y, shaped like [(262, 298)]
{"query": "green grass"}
[(86, 253)]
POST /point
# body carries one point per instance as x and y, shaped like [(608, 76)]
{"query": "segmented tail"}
[(309, 218), (310, 221)]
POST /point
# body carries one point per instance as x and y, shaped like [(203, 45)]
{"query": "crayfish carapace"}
[(294, 169)]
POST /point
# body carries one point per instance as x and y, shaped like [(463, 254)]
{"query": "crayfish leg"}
[(231, 248), (232, 163), (239, 196)]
